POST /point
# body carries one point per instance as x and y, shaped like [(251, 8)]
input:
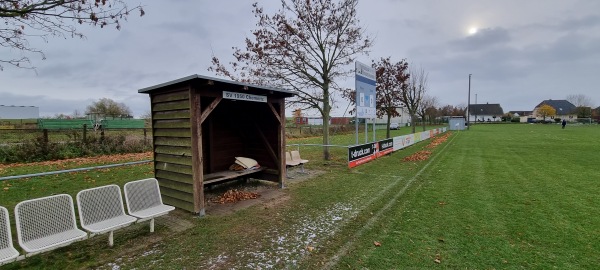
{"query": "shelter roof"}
[(199, 79)]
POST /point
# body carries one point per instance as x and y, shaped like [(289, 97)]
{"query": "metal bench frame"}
[(8, 253), (101, 211), (144, 200), (46, 223)]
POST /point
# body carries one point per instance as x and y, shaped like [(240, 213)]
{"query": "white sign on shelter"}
[(244, 97)]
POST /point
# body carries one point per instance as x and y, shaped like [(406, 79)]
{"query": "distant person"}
[(564, 123)]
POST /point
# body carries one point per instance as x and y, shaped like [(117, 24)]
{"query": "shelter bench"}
[(212, 178), (144, 200), (8, 253), (46, 223), (101, 210)]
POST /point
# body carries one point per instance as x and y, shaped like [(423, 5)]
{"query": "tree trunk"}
[(423, 122), (412, 123), (325, 115), (389, 119)]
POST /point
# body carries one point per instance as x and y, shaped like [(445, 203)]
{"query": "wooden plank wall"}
[(172, 147)]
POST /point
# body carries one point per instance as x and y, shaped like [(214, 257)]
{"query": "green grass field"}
[(496, 196)]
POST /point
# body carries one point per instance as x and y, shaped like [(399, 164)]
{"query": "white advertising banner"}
[(366, 97)]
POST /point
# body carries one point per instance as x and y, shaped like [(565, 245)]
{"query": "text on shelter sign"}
[(244, 96)]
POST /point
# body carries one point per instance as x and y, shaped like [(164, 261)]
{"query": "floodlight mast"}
[(469, 105)]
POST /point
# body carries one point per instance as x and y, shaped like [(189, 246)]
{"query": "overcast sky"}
[(521, 53)]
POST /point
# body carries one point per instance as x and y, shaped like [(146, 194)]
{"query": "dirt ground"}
[(270, 193)]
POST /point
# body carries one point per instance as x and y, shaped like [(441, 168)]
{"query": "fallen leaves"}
[(377, 244), (424, 154), (438, 140), (234, 195), (418, 156), (77, 162)]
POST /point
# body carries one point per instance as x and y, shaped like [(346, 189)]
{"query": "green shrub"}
[(39, 150)]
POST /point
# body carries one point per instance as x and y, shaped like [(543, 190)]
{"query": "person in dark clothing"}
[(564, 123)]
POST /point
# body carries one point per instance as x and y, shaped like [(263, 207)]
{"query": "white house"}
[(485, 113)]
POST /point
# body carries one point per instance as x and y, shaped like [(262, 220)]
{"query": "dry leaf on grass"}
[(377, 244), (438, 258), (310, 249)]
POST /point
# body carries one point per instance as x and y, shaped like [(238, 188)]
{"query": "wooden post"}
[(145, 137), (281, 141), (45, 136), (197, 158), (84, 134)]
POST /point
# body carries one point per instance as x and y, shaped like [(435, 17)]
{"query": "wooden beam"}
[(275, 112), (197, 168), (209, 109), (267, 145), (281, 142)]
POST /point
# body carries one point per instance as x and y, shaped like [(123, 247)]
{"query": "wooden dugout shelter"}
[(200, 124)]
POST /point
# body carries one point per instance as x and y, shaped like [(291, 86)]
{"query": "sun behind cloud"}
[(473, 30)]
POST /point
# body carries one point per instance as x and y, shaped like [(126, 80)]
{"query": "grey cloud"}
[(483, 40), (579, 23)]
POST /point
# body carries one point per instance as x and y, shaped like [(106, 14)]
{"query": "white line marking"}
[(344, 249)]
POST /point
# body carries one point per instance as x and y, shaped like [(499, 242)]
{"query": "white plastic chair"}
[(289, 162), (8, 253), (296, 158), (144, 201), (47, 223), (101, 210)]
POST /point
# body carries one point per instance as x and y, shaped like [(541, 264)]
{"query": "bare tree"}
[(427, 109), (306, 46), (582, 103), (25, 19), (413, 96), (391, 81), (580, 100)]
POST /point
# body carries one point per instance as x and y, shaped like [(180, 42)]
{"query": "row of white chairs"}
[(47, 223)]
